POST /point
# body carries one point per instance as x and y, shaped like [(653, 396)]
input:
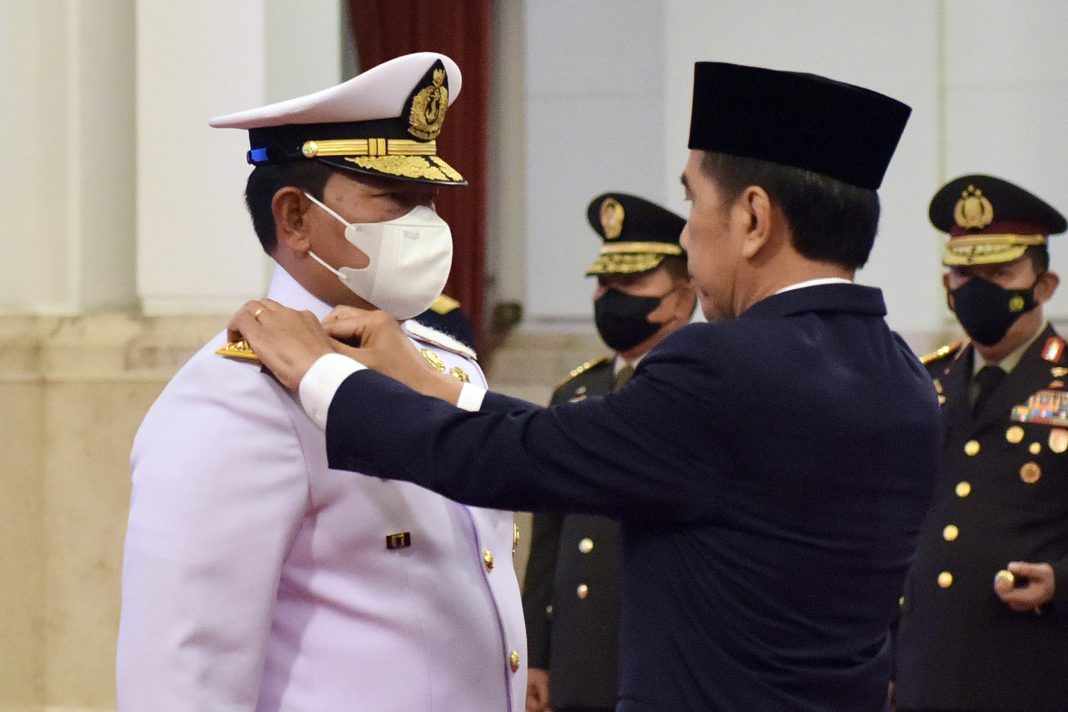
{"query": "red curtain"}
[(384, 29)]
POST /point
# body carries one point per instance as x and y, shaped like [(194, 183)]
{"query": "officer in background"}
[(984, 616), (571, 597)]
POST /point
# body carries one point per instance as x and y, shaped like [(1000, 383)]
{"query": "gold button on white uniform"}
[(586, 545), (513, 660), (487, 558), (582, 591)]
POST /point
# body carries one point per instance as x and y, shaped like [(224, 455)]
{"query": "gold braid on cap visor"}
[(392, 156), (988, 249)]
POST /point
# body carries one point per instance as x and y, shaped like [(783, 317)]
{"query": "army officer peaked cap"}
[(638, 234), (383, 122), (799, 120), (990, 220)]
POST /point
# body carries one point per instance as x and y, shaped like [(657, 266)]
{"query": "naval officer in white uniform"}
[(255, 577)]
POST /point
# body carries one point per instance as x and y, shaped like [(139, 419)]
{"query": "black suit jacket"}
[(571, 592), (770, 473), (959, 646)]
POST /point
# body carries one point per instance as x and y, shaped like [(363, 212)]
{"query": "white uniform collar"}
[(286, 290), (815, 283)]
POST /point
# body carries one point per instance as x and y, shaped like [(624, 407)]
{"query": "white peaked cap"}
[(382, 122), (378, 93)]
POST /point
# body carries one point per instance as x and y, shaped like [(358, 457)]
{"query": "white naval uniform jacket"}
[(256, 578)]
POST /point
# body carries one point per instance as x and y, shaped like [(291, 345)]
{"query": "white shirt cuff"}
[(471, 397), (321, 382)]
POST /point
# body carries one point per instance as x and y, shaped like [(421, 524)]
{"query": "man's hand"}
[(375, 339), (287, 342), (537, 690), (1038, 591)]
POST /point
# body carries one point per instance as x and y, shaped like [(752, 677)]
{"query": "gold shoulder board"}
[(582, 369), (942, 353), (444, 304), (436, 338)]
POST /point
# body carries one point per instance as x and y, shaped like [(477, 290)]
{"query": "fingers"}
[(343, 312), (1037, 591), (245, 320), (1029, 570)]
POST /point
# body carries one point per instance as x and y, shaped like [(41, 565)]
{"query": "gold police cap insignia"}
[(973, 210), (612, 215)]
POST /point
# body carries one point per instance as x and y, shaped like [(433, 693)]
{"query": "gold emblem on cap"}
[(1058, 440), (973, 210), (1030, 473), (1015, 434), (612, 215), (428, 108)]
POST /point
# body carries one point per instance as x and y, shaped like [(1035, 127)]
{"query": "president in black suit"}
[(984, 615), (571, 592), (770, 469)]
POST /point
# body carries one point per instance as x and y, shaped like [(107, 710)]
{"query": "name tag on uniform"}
[(400, 540)]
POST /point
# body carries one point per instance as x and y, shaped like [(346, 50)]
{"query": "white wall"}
[(889, 47), (197, 252), (594, 108), (1006, 85)]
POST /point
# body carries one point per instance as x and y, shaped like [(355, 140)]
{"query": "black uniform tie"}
[(987, 379)]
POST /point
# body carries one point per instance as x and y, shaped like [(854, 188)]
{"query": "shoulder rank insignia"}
[(582, 369), (444, 304), (942, 353), (238, 350), (436, 338), (1053, 349)]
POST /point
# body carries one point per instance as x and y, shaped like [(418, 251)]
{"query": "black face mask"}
[(621, 318), (986, 311)]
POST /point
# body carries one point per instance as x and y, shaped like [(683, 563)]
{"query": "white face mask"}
[(410, 260)]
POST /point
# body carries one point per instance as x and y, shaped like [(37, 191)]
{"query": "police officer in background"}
[(984, 616), (571, 597)]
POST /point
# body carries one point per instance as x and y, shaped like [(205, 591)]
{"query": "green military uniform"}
[(1002, 496), (571, 600)]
